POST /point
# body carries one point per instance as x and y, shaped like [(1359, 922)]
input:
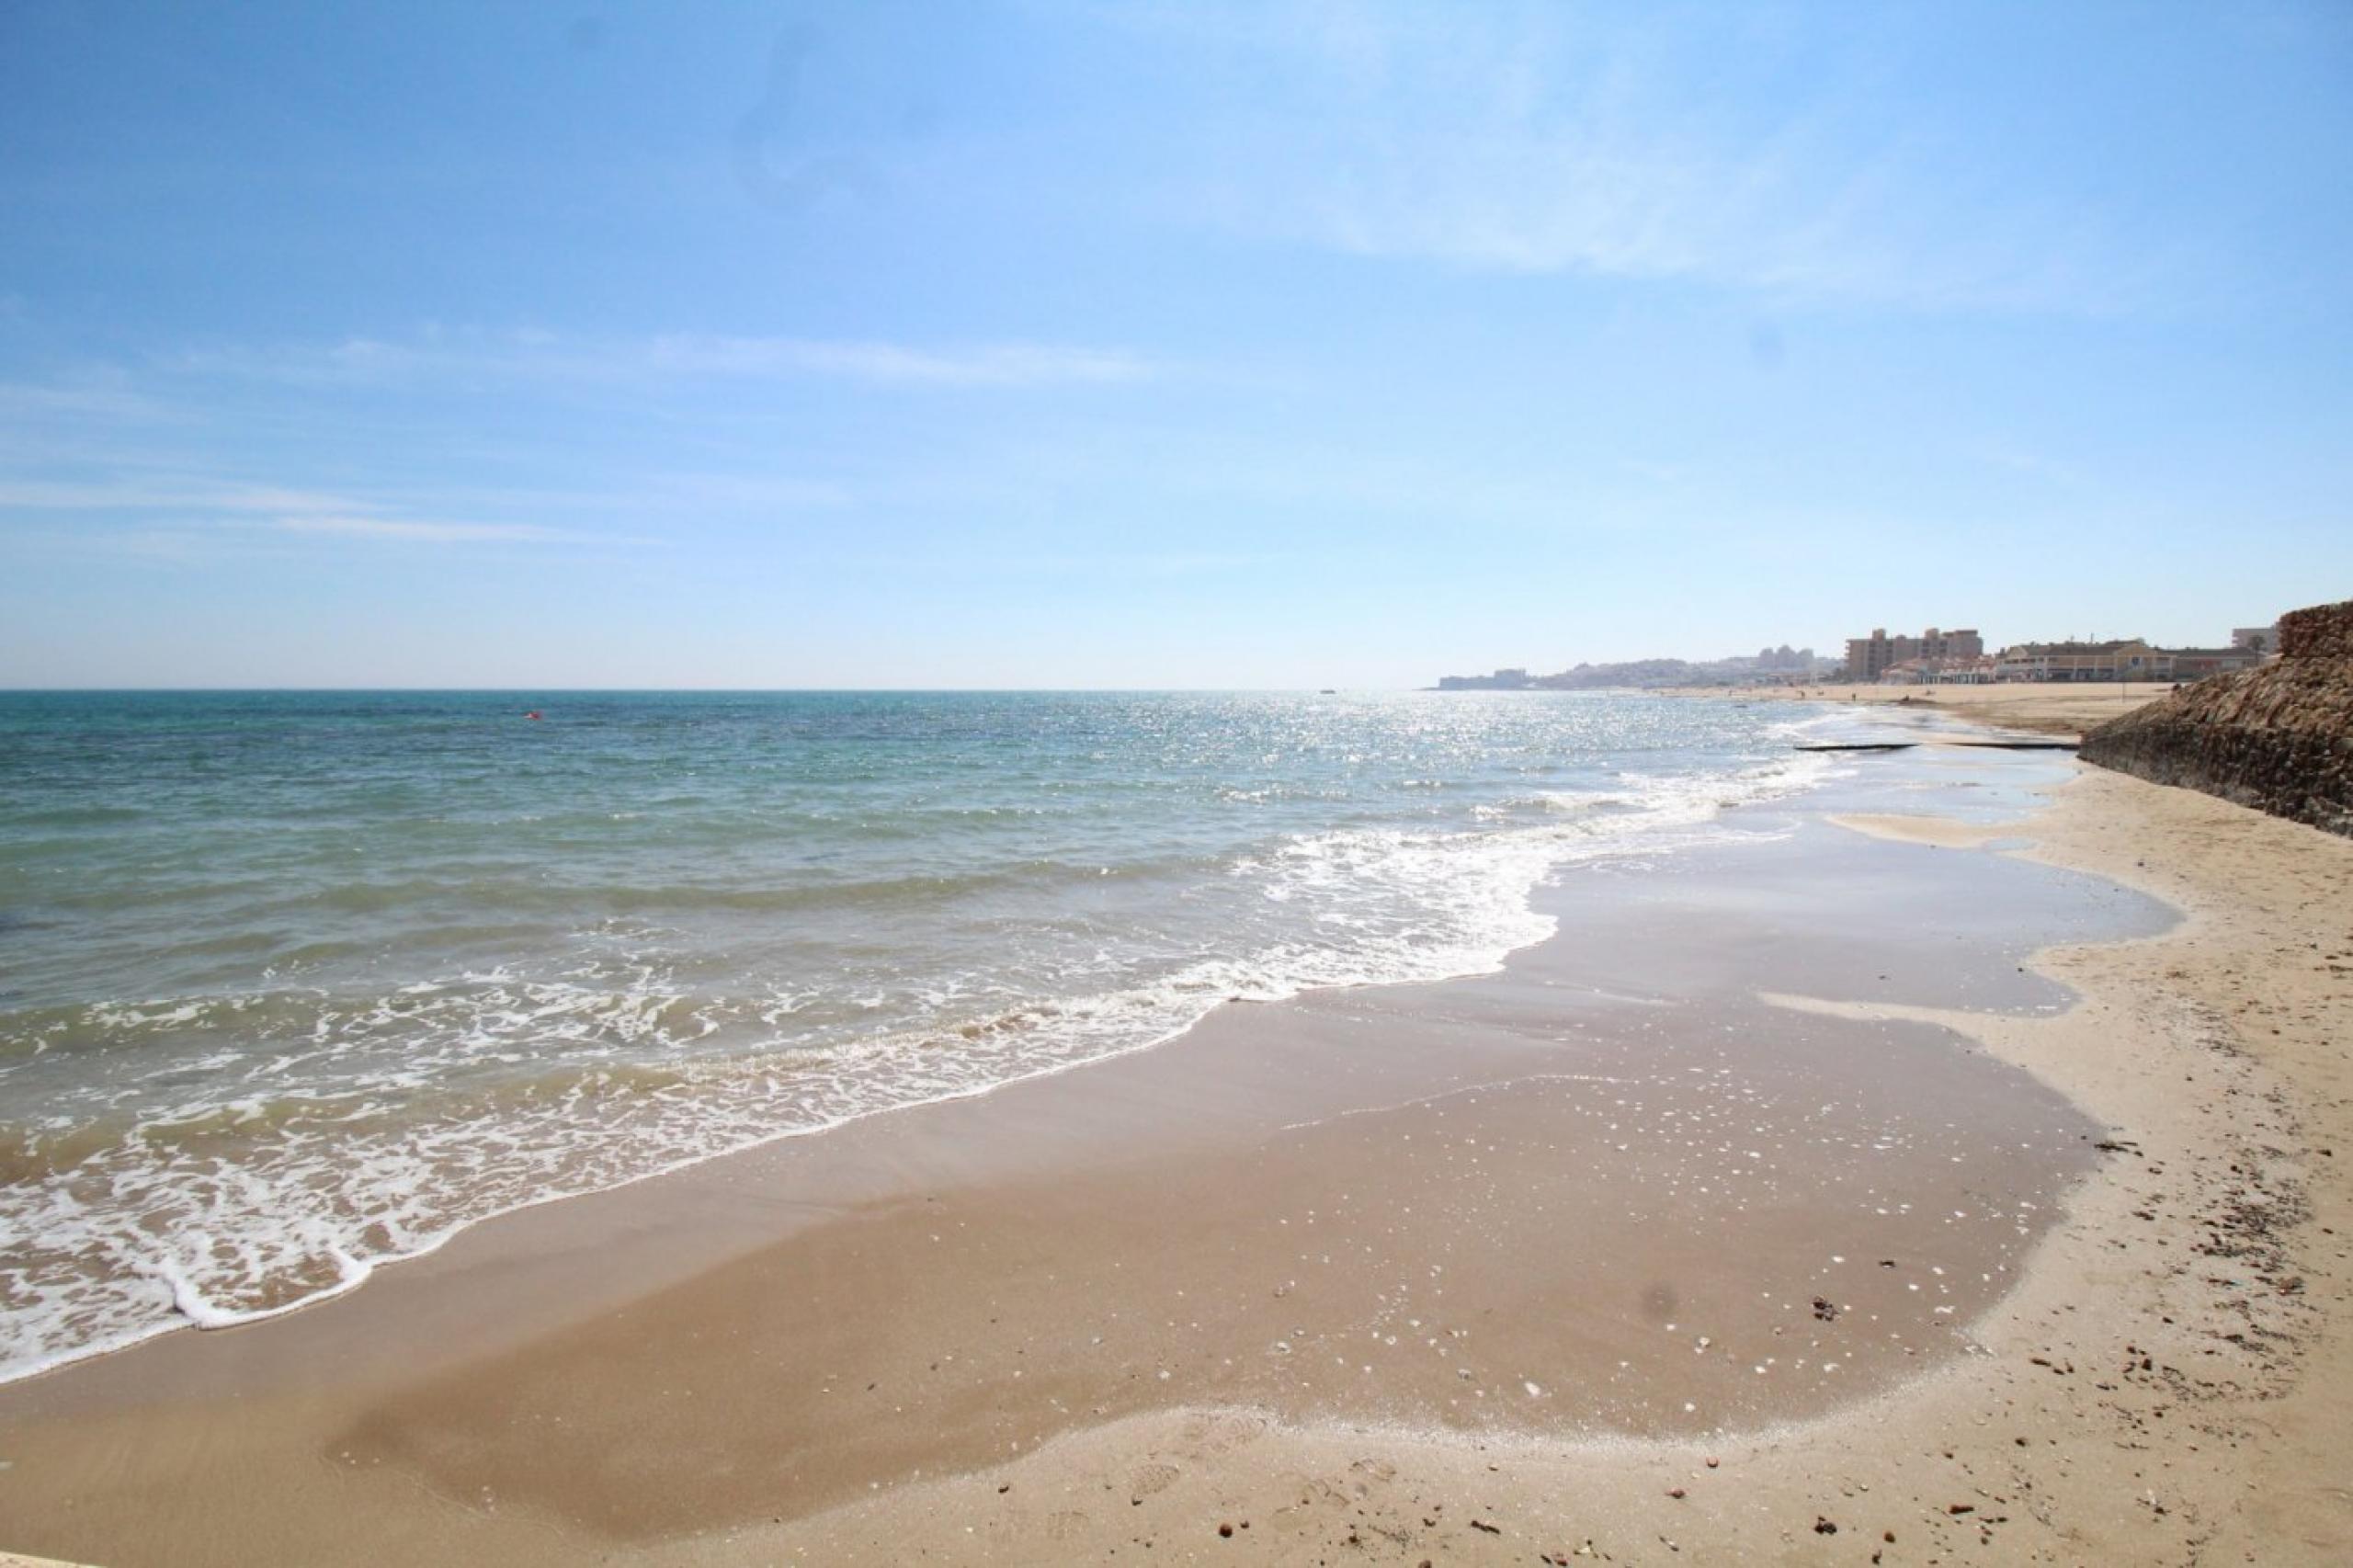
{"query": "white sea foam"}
[(340, 1134)]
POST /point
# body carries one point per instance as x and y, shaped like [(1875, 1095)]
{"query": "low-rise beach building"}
[(2127, 659), (2197, 663), (1978, 671)]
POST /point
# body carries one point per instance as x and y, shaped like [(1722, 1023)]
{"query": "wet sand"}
[(1525, 1202), (1744, 1164)]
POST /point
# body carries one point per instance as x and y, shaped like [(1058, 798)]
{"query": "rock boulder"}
[(2278, 737)]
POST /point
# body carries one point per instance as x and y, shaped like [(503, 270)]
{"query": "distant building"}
[(1783, 666), (2197, 663), (2126, 659), (1977, 671), (2130, 659), (1502, 680), (1868, 658)]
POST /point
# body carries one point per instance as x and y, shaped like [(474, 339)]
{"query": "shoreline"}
[(2056, 1443), (1235, 1456), (141, 1292), (2038, 707)]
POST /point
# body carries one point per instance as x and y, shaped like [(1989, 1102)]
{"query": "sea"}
[(293, 985)]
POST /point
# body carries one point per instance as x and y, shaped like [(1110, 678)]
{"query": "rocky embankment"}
[(2278, 738)]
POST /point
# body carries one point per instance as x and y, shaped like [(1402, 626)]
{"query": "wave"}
[(324, 1134)]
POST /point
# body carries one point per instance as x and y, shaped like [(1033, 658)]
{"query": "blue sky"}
[(1063, 344)]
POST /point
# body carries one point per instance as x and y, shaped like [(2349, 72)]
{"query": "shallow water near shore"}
[(1606, 1192), (1606, 1188), (297, 984)]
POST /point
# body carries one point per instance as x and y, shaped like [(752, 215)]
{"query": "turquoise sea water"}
[(291, 985)]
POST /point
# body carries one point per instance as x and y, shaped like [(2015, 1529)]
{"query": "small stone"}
[(1226, 1531), (1823, 1527)]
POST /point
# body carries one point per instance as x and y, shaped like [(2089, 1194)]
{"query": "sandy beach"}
[(1950, 1175), (2045, 708), (1016, 784)]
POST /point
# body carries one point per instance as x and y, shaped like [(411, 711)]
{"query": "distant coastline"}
[(1783, 666)]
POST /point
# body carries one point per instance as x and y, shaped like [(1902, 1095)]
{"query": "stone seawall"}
[(2278, 737)]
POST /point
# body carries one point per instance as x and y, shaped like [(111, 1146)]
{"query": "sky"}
[(1049, 343)]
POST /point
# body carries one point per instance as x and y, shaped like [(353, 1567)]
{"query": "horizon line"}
[(11, 689)]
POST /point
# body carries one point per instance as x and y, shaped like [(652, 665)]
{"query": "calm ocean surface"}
[(291, 985)]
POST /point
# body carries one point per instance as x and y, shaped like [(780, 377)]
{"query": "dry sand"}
[(2060, 708), (943, 1336)]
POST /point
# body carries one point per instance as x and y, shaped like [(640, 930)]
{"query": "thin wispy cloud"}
[(664, 358), (202, 497), (187, 493), (76, 399), (1131, 566), (412, 530), (1530, 323), (1010, 365), (184, 517), (1535, 139)]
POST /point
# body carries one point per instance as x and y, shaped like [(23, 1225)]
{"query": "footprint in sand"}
[(1151, 1478), (1209, 1436)]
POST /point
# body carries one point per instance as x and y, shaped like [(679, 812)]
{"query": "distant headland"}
[(1775, 666)]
